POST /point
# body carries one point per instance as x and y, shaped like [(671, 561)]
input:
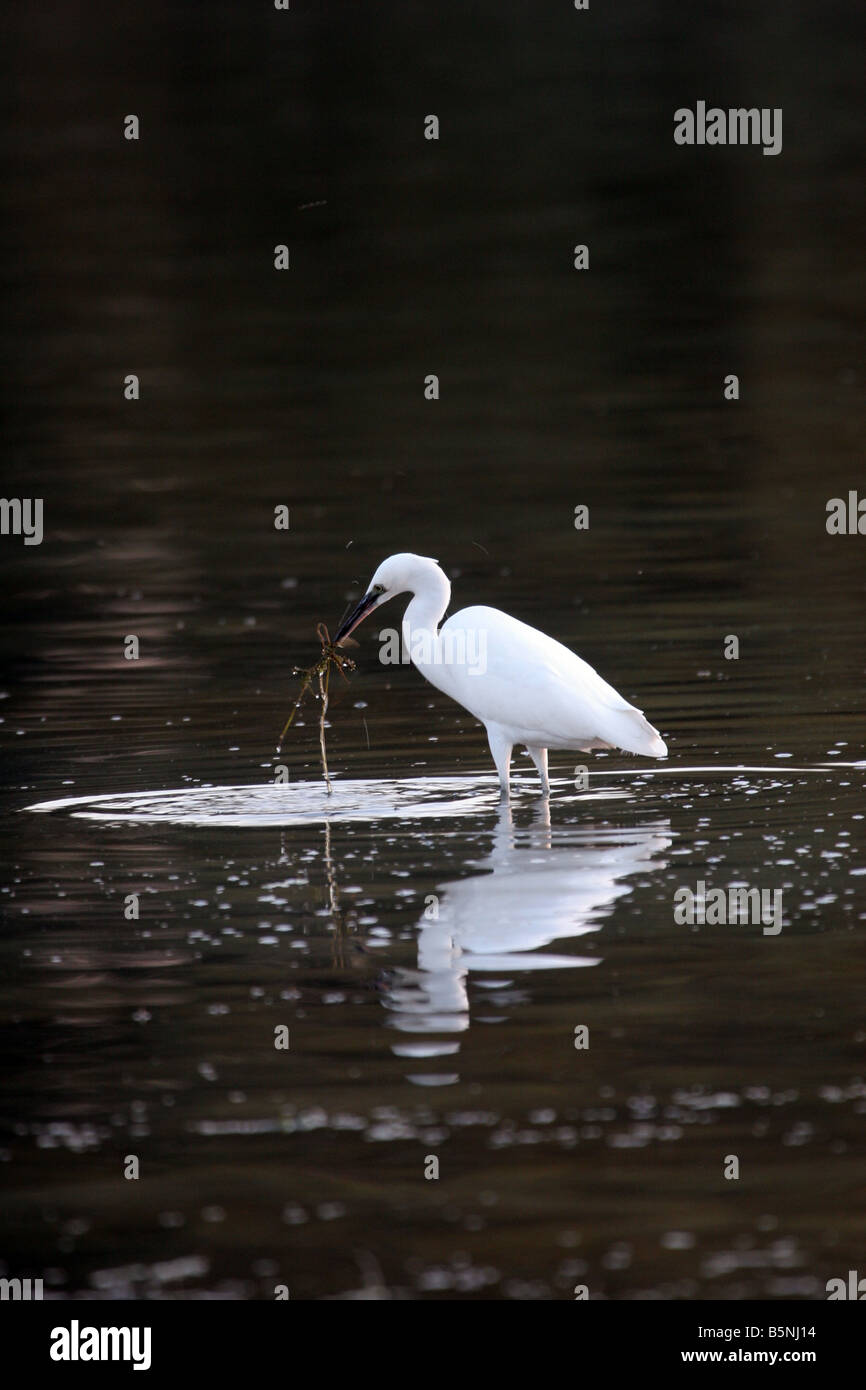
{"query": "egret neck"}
[(420, 625)]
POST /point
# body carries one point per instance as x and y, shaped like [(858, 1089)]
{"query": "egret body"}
[(523, 686)]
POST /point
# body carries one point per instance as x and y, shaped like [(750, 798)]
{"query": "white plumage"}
[(525, 687)]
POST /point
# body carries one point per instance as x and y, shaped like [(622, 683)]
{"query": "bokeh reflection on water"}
[(535, 887), (558, 1165)]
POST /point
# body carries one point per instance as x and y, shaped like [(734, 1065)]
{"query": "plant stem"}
[(323, 692)]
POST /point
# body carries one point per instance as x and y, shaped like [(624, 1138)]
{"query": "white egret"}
[(524, 687)]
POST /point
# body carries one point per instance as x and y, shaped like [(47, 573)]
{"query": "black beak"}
[(357, 615)]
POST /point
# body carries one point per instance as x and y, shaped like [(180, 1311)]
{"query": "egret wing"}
[(533, 686)]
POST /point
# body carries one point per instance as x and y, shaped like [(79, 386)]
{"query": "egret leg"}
[(500, 747), (539, 757)]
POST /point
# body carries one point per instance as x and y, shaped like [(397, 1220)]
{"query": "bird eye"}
[(378, 588)]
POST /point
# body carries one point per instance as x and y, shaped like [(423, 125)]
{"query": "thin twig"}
[(323, 695), (321, 671)]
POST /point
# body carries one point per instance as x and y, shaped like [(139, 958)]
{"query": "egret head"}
[(399, 574)]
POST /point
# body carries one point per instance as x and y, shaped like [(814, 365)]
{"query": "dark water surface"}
[(414, 1035)]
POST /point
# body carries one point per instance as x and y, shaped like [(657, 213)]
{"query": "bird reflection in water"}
[(538, 885)]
